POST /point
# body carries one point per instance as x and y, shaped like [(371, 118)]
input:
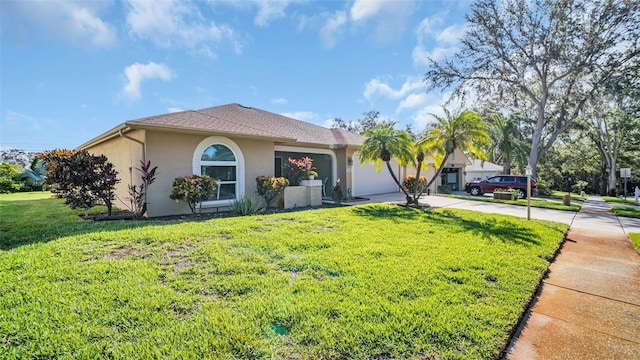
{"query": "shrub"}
[(81, 178), (543, 188), (193, 189), (138, 194), (269, 187), (409, 183), (299, 169), (579, 186), (8, 186), (336, 193), (247, 205)]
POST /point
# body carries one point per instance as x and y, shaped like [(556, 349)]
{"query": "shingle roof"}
[(241, 120)]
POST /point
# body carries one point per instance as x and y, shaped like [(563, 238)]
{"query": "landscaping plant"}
[(193, 189), (138, 194), (336, 193), (409, 184), (270, 188), (84, 180), (300, 169), (247, 205)]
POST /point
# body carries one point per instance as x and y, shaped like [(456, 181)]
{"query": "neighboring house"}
[(234, 144), (452, 174), (479, 170)]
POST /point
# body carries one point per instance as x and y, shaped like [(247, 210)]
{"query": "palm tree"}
[(382, 143), (505, 139), (463, 130)]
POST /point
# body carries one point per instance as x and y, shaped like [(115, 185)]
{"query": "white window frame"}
[(239, 164)]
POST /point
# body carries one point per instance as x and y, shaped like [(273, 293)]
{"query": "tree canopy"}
[(542, 57)]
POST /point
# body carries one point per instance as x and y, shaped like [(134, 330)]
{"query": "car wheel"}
[(475, 191), (521, 194)]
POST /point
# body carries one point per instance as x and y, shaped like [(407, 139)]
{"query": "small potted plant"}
[(311, 174)]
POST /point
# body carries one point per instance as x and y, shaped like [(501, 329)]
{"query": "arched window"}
[(221, 159)]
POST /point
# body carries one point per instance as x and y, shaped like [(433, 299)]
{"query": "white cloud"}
[(137, 73), (170, 23), (332, 28), (451, 34), (413, 101), (378, 87), (390, 17), (435, 43), (279, 101), (74, 20), (364, 9), (307, 116), (269, 10), (174, 109)]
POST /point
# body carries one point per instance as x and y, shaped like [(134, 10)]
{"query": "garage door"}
[(367, 181)]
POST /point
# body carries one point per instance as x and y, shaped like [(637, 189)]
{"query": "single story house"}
[(479, 170), (234, 144)]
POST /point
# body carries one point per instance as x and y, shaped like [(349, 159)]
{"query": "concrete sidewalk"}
[(589, 305)]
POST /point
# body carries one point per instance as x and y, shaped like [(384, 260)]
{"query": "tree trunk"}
[(506, 163), (393, 175), (612, 175), (438, 170)]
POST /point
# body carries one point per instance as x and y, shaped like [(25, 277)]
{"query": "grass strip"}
[(615, 200), (522, 202), (635, 239), (626, 212)]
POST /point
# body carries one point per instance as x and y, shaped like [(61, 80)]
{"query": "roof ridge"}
[(237, 123)]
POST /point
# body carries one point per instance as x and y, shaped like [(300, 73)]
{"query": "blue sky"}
[(71, 70)]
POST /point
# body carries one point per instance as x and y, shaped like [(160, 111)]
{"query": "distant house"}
[(479, 170), (234, 144)]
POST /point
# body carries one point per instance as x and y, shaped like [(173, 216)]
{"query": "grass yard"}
[(635, 238), (615, 200), (559, 195), (371, 281), (522, 202), (626, 211)]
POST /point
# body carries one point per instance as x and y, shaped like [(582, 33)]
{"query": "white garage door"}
[(367, 181)]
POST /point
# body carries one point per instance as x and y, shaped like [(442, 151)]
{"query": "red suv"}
[(517, 182)]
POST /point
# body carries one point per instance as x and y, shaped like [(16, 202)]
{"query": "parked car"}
[(517, 182)]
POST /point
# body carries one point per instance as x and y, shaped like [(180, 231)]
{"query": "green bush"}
[(543, 188), (247, 205), (409, 183), (579, 186), (270, 188), (193, 189), (8, 186)]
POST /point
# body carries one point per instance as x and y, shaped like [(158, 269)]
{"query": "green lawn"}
[(560, 195), (615, 200), (626, 212), (371, 281), (635, 238), (522, 202)]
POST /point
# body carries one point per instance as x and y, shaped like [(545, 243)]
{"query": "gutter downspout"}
[(144, 145)]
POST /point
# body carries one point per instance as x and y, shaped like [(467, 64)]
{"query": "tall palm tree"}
[(463, 130), (382, 143), (505, 139)]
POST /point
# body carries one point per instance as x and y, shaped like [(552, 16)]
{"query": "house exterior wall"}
[(456, 161), (173, 154), (125, 154)]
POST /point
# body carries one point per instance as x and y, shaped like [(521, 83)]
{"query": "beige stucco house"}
[(235, 144)]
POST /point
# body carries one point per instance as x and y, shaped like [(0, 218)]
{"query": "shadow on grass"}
[(27, 222), (486, 226)]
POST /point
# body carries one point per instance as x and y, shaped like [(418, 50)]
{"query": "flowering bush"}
[(193, 189), (300, 169), (270, 187), (409, 183)]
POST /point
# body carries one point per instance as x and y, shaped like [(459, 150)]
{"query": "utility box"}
[(566, 200)]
